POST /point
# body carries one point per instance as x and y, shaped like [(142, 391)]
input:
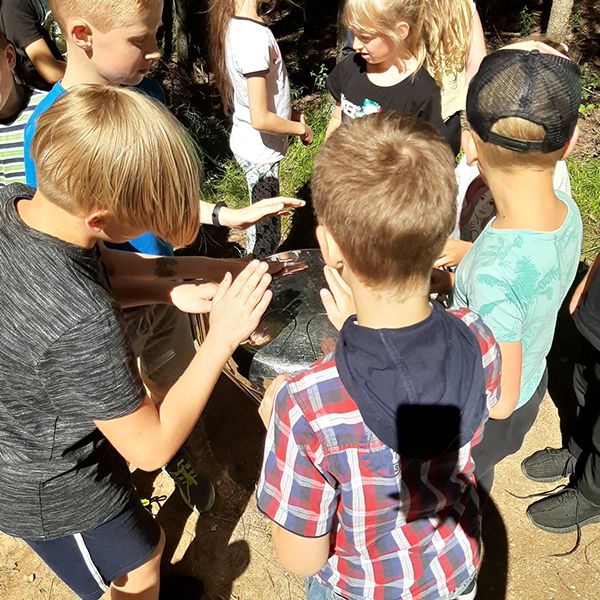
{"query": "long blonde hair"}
[(447, 29), (379, 17), (220, 13), (108, 147)]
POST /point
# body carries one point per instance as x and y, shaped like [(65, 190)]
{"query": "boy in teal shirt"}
[(522, 108)]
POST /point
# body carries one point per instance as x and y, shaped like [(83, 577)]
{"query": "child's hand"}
[(454, 251), (338, 299), (238, 306), (441, 282), (307, 137), (193, 297), (242, 218), (266, 406)]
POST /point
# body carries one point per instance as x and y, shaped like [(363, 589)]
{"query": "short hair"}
[(3, 40), (103, 14), (496, 157), (384, 186), (105, 147)]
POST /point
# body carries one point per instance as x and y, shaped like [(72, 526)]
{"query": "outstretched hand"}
[(242, 218), (266, 406), (454, 251), (338, 299), (239, 304)]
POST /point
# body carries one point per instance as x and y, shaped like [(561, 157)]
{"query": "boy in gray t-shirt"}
[(73, 408)]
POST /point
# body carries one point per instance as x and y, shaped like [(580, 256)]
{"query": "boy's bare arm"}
[(301, 555), (49, 67), (335, 121), (510, 380), (581, 289), (477, 47), (150, 436)]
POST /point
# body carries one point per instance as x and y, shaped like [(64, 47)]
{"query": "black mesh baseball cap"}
[(541, 88)]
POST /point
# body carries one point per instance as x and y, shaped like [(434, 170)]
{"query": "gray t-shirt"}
[(65, 362)]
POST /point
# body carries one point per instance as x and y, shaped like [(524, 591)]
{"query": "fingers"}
[(442, 261), (222, 288), (244, 276), (256, 280), (336, 283)]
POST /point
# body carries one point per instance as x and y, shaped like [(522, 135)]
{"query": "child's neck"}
[(525, 199), (80, 70), (247, 9), (14, 102), (44, 216), (384, 309), (391, 71)]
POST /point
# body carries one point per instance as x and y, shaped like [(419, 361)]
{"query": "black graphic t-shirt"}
[(24, 22), (417, 95)]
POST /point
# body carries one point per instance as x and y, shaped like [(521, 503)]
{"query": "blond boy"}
[(367, 474), (522, 110), (114, 42), (73, 408)]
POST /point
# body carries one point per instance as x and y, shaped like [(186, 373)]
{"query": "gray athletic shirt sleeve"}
[(65, 362)]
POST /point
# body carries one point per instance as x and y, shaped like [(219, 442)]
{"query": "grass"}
[(225, 181), (585, 187)]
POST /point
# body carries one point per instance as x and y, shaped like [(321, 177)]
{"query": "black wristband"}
[(215, 213)]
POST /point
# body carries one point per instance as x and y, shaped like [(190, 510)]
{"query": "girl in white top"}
[(252, 79)]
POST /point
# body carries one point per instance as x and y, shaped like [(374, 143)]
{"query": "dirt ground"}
[(229, 548)]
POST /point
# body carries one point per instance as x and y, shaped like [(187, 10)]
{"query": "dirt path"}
[(230, 547)]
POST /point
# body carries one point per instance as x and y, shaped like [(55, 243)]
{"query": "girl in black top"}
[(386, 70)]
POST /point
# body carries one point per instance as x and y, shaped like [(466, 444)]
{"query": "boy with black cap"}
[(522, 108)]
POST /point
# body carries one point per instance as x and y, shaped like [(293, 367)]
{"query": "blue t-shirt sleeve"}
[(30, 177)]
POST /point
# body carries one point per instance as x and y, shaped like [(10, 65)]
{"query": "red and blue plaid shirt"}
[(400, 528)]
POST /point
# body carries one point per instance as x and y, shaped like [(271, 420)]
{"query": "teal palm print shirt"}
[(516, 280)]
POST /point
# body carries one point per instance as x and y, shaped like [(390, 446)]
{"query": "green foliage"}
[(585, 110), (590, 83), (585, 185), (320, 78), (526, 21)]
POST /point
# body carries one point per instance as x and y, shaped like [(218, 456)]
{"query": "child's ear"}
[(571, 144), (469, 146), (97, 221), (11, 56), (80, 33), (332, 255), (402, 29)]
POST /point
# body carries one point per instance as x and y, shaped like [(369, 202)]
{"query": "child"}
[(578, 503), (522, 108), (455, 47), (367, 473), (28, 25), (73, 408), (118, 46), (386, 72), (252, 79), (17, 102)]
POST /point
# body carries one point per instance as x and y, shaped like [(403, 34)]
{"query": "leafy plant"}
[(526, 21), (585, 110), (319, 78)]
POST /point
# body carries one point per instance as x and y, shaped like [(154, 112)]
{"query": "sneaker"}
[(550, 464), (196, 489), (565, 511), (470, 593), (183, 587)]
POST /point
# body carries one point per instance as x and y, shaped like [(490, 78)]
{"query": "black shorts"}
[(89, 561)]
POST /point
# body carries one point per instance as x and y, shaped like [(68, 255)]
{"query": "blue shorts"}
[(89, 561)]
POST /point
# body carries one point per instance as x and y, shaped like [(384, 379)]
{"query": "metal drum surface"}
[(294, 331)]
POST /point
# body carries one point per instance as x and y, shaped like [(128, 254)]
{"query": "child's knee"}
[(144, 577)]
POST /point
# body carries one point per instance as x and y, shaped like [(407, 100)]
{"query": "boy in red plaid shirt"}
[(367, 473)]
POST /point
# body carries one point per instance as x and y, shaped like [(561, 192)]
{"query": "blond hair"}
[(103, 14), (380, 17), (393, 209), (104, 147), (497, 157), (447, 31)]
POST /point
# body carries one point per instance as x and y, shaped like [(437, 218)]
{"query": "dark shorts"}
[(89, 561)]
